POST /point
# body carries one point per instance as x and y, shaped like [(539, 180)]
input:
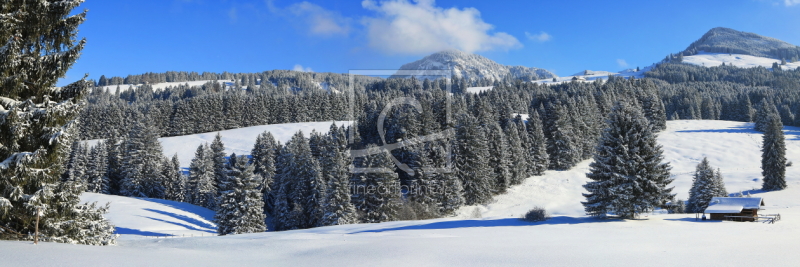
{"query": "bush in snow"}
[(537, 214)]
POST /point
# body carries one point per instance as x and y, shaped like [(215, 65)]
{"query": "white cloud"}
[(541, 37), (791, 2), (319, 20), (420, 27), (622, 63), (298, 67)]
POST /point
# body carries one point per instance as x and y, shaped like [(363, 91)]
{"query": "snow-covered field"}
[(498, 238), (159, 86), (239, 141), (742, 61)]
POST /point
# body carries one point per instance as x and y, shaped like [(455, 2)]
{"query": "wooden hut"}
[(743, 209)]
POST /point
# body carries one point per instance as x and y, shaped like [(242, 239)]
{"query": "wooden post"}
[(36, 234)]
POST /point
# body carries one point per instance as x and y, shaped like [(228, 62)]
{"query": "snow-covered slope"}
[(499, 238), (155, 217), (472, 66), (239, 141), (592, 75), (159, 86), (738, 60), (725, 40)]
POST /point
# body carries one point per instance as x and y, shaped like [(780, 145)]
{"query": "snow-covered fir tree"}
[(239, 204), (338, 208), (706, 184), (561, 145), (377, 193), (538, 145), (773, 157), (627, 175), (201, 186), (499, 157), (263, 154), (174, 180), (98, 168), (38, 125), (518, 155), (450, 195), (765, 114), (141, 164), (77, 166), (220, 163), (472, 161)]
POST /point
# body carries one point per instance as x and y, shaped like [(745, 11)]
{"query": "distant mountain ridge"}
[(725, 40), (472, 67)]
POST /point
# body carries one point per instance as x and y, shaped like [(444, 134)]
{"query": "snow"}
[(476, 90), (159, 86), (239, 141), (499, 238), (591, 76), (137, 217), (732, 204), (742, 61)]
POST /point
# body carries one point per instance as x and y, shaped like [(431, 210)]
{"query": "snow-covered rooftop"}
[(733, 204)]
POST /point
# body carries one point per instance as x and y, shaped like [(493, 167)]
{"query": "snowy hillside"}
[(498, 238), (159, 86), (725, 40), (738, 60), (591, 76), (239, 141), (155, 217), (472, 66)]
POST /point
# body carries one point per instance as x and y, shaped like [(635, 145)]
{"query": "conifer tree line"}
[(307, 182)]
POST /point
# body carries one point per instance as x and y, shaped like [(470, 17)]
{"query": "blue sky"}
[(133, 37)]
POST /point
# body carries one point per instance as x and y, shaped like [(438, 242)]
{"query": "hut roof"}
[(733, 204)]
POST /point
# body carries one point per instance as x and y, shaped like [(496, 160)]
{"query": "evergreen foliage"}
[(239, 205), (706, 184), (38, 124), (773, 157), (627, 175)]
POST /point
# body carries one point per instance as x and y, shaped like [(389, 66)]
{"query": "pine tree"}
[(627, 176), (540, 160), (773, 157), (518, 159), (472, 161), (38, 124), (706, 184), (263, 154), (174, 180), (499, 158), (98, 167), (219, 161), (77, 167), (239, 204), (377, 194), (561, 145), (765, 114), (338, 208), (141, 164), (202, 188), (450, 191)]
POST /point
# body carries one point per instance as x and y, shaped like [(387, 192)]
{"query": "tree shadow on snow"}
[(129, 231), (188, 227), (749, 130), (505, 222), (693, 220), (184, 218), (200, 211)]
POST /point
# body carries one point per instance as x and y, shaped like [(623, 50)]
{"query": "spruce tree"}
[(38, 124), (765, 114), (98, 167), (263, 154), (202, 188), (377, 193), (174, 180), (706, 184), (239, 204), (472, 161), (773, 157), (338, 208), (540, 160), (219, 161), (561, 143), (627, 175)]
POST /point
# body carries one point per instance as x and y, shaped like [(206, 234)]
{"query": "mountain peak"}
[(726, 40), (472, 66)]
